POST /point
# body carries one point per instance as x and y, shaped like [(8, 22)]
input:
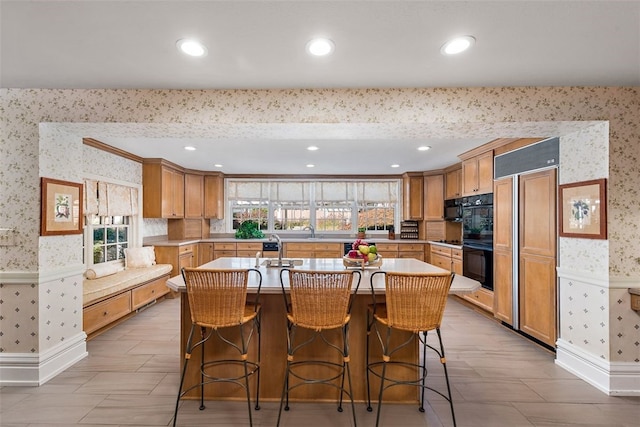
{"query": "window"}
[(110, 235), (329, 206)]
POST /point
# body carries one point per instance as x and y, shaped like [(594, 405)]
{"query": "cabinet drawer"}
[(299, 254), (456, 253), (441, 250), (335, 247), (186, 249), (410, 247), (225, 247), (219, 254), (482, 298), (149, 292), (387, 247), (249, 253), (253, 246), (441, 261), (101, 314)]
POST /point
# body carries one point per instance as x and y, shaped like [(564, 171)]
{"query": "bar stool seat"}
[(318, 301), (414, 303), (219, 308)]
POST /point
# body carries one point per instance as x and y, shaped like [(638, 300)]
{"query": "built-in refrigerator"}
[(525, 240)]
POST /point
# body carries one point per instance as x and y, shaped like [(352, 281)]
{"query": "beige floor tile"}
[(498, 379)]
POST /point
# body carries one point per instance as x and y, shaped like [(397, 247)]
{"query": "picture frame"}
[(583, 209), (61, 207)]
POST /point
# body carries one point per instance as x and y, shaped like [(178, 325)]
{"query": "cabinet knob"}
[(105, 313)]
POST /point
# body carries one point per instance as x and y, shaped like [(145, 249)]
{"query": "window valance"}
[(108, 199)]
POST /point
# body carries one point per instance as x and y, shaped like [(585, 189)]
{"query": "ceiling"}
[(260, 45)]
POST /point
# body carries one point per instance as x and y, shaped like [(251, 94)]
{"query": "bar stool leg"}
[(258, 325), (424, 370), (369, 408), (202, 334), (443, 360), (187, 356), (385, 360)]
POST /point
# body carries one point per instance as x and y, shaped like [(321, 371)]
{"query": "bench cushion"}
[(94, 290)]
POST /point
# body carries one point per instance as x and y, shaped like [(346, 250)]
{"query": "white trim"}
[(619, 282), (26, 369), (583, 276), (612, 378), (37, 277)]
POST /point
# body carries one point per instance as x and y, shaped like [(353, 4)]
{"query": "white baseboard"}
[(26, 369), (612, 378)]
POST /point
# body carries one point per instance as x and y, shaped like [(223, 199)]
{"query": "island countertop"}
[(271, 275)]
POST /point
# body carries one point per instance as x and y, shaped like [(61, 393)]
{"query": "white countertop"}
[(271, 276)]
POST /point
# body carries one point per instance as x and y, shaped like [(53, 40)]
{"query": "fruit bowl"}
[(361, 262)]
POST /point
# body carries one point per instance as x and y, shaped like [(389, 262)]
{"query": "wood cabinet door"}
[(441, 261), (172, 193), (456, 266), (538, 297), (453, 184), (178, 194), (503, 214), (205, 253), (193, 195), (485, 173), (214, 196), (537, 207), (186, 260), (537, 266), (413, 196), (434, 197), (503, 250), (503, 286), (469, 177)]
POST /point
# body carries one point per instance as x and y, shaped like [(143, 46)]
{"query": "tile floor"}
[(130, 378)]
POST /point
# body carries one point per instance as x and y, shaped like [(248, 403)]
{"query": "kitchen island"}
[(274, 336)]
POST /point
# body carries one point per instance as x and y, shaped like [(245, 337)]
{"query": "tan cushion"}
[(139, 257), (95, 289)]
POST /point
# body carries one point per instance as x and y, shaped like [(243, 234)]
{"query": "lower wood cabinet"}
[(483, 298), (148, 292), (248, 249), (205, 253), (224, 249), (177, 256), (411, 250), (103, 313), (314, 250)]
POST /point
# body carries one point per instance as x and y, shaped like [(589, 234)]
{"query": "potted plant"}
[(361, 232)]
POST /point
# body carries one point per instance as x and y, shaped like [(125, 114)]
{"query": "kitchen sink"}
[(285, 263)]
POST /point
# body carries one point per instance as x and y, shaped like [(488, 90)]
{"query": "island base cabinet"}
[(274, 358)]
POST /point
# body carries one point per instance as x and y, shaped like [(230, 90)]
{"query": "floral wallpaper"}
[(41, 135)]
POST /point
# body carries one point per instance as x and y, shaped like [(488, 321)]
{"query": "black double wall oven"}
[(477, 239)]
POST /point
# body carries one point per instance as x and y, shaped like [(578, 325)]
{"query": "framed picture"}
[(61, 207), (583, 209)]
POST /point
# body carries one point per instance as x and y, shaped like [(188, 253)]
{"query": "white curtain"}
[(107, 199)]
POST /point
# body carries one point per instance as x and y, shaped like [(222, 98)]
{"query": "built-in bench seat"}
[(110, 298)]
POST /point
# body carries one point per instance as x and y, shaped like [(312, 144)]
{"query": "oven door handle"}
[(477, 247)]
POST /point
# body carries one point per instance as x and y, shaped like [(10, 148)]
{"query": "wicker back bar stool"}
[(219, 307), (414, 302), (318, 302)]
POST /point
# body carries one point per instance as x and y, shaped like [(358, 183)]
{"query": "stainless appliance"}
[(453, 210), (477, 239)]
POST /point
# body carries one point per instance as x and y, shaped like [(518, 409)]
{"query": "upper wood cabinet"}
[(413, 195), (214, 196), (162, 191), (193, 195), (434, 197), (477, 174), (453, 184)]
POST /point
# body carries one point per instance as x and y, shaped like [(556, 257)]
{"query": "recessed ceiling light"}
[(217, 165), (311, 166), (320, 47), (395, 165), (312, 148), (190, 148), (424, 148), (457, 45), (191, 47)]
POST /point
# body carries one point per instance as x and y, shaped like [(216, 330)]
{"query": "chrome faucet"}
[(277, 238), (313, 230)]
